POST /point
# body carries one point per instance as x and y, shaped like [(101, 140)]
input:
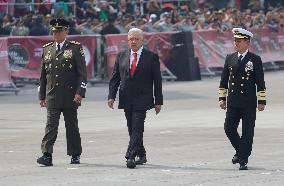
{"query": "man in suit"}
[(62, 86), (136, 72), (241, 75)]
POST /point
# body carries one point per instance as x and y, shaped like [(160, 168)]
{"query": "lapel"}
[(66, 43), (52, 50), (246, 59), (234, 63), (127, 61)]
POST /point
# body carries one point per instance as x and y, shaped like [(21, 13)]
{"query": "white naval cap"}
[(241, 33)]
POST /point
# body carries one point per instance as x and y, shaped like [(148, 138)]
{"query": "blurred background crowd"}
[(31, 17)]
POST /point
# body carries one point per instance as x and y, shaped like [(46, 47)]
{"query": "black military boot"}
[(235, 159), (130, 163), (243, 165), (45, 159), (141, 160), (75, 159)]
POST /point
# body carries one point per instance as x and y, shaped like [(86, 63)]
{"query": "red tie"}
[(133, 64)]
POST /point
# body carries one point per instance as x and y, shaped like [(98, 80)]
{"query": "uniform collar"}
[(61, 44), (243, 54)]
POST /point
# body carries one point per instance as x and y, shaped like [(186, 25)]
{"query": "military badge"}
[(67, 54), (82, 51), (249, 66), (47, 56)]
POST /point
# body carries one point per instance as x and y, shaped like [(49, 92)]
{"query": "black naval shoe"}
[(130, 163), (45, 160), (75, 159), (235, 159), (141, 160), (243, 167)]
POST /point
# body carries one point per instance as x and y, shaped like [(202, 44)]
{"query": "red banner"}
[(5, 75), (25, 54), (211, 47)]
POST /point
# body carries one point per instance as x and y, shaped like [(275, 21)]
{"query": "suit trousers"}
[(72, 131), (243, 144), (135, 124)]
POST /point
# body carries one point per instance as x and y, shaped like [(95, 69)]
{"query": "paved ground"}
[(185, 143)]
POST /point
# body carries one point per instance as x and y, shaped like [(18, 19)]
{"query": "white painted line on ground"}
[(166, 132), (265, 173), (72, 168)]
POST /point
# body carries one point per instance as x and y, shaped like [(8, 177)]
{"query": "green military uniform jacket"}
[(239, 81), (63, 74)]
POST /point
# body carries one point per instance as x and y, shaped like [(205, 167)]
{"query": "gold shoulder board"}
[(75, 42), (47, 44)]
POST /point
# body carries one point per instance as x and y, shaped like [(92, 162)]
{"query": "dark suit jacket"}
[(63, 75), (137, 92), (241, 79)]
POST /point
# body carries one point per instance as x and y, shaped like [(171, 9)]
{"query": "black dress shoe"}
[(235, 159), (141, 160), (45, 160), (243, 164), (243, 167), (75, 159), (130, 163)]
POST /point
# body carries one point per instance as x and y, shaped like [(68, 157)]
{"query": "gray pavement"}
[(185, 143)]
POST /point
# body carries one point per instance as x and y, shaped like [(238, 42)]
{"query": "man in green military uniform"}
[(241, 75), (62, 86)]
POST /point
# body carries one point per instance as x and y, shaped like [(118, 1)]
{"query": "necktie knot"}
[(240, 58), (58, 47)]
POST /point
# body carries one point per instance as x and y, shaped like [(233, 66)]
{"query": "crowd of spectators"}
[(118, 16)]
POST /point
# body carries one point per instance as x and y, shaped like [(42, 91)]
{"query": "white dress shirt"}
[(138, 55), (243, 54), (61, 44)]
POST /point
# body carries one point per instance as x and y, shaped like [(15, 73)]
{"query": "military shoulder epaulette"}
[(75, 42), (47, 44)]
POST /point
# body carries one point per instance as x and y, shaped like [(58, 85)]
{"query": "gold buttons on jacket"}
[(56, 59), (242, 85), (233, 83), (56, 66), (243, 77), (56, 75), (232, 90)]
